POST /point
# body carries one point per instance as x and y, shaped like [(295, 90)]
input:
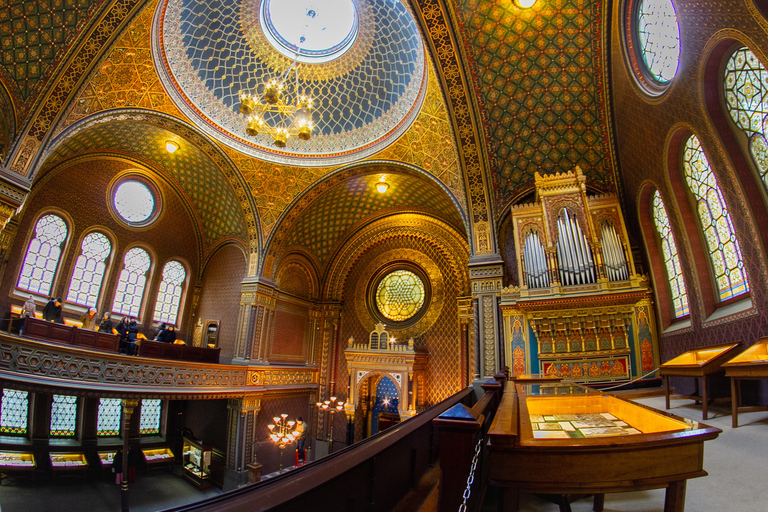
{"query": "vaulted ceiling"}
[(537, 78)]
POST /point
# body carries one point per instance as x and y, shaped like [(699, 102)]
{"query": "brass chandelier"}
[(281, 110)]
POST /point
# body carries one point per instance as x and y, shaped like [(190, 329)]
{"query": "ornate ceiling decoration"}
[(539, 73), (207, 53), (320, 221), (37, 35), (215, 206)]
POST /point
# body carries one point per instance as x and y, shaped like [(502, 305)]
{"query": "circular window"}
[(654, 39), (399, 296), (316, 31), (134, 202)]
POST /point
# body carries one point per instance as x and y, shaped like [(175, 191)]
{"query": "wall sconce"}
[(382, 186), (171, 146)]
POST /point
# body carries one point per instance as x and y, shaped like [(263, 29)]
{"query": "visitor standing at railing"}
[(27, 311)]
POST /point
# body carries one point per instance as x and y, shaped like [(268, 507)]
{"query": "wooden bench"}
[(149, 348), (70, 335)]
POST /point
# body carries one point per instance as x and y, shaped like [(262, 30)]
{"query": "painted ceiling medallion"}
[(362, 62)]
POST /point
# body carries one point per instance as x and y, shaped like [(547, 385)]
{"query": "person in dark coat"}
[(106, 324), (52, 311), (133, 332), (133, 461), (168, 335), (117, 466), (122, 330), (159, 331)]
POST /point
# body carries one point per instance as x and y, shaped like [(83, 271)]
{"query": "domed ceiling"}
[(362, 62)]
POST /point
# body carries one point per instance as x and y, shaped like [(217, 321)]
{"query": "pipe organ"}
[(581, 311)]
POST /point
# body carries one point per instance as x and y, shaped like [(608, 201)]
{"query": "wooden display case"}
[(158, 457), (196, 463), (752, 364), (106, 457), (68, 464), (605, 444), (698, 363), (17, 463)]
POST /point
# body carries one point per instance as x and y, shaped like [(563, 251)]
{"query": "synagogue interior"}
[(218, 217)]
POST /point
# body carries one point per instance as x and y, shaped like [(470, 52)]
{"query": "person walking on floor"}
[(117, 466)]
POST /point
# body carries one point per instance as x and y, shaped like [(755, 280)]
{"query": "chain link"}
[(471, 477)]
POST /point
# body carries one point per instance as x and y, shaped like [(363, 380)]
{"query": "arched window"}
[(169, 296), (133, 279), (723, 245), (63, 416), (88, 275), (43, 255), (746, 97), (671, 258), (109, 417), (659, 36)]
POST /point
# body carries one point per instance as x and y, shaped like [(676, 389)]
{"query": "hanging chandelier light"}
[(280, 110)]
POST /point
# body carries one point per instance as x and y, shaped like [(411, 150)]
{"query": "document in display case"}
[(16, 463), (197, 462), (68, 464), (158, 457)]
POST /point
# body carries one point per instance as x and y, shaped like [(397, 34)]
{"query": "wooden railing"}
[(372, 475)]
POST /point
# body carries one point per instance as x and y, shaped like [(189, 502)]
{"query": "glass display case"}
[(158, 457), (752, 364), (196, 463), (698, 363), (68, 464), (565, 439), (16, 462)]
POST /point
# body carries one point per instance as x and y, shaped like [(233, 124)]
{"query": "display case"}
[(106, 457), (698, 363), (752, 364), (565, 439), (158, 457), (68, 464), (197, 462), (17, 463)]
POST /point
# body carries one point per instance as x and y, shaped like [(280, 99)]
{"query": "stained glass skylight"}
[(134, 202), (671, 257), (400, 295), (659, 36)]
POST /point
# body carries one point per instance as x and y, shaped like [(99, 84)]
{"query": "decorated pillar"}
[(129, 404), (329, 322), (242, 467), (486, 279), (255, 321)]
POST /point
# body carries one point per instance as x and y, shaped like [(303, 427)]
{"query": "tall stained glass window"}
[(133, 279), (169, 296), (746, 97), (89, 270), (671, 258), (149, 421), (724, 249), (14, 412), (63, 416), (109, 417), (400, 295), (43, 253), (659, 35)]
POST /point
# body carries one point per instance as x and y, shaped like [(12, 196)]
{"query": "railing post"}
[(458, 430)]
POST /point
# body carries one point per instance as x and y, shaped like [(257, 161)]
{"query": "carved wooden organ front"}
[(581, 311)]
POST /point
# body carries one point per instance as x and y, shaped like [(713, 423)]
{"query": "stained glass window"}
[(149, 422), (133, 279), (659, 36), (89, 270), (169, 296), (724, 248), (14, 412), (400, 295), (671, 258), (43, 255), (134, 202), (63, 416), (746, 96), (109, 418)]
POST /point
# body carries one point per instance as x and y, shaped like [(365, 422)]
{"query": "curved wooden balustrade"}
[(37, 363)]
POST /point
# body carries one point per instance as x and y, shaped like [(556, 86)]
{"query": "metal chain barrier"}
[(471, 477)]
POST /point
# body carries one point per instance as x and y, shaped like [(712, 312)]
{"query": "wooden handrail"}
[(373, 474)]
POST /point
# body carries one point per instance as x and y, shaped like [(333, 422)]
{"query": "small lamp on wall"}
[(171, 146)]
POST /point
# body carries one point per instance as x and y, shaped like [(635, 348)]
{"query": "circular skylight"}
[(319, 31), (659, 36), (134, 202)]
